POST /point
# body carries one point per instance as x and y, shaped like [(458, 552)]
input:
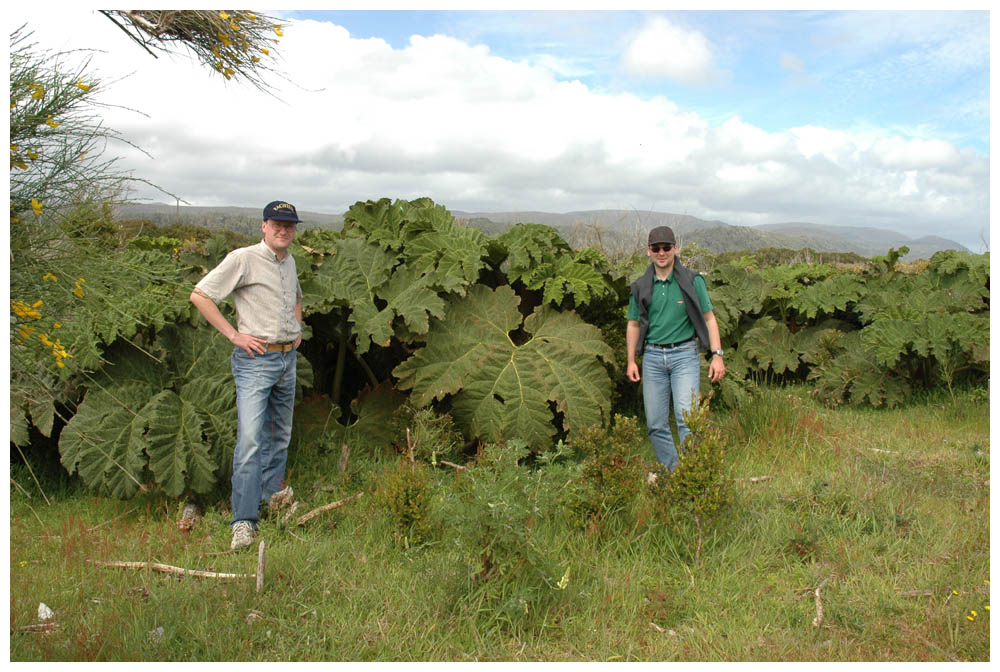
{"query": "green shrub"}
[(432, 435), (698, 487), (511, 578), (405, 493), (611, 475)]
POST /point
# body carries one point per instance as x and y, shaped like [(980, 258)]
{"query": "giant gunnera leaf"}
[(502, 371)]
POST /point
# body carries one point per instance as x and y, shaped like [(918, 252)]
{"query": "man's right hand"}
[(632, 372), (251, 344)]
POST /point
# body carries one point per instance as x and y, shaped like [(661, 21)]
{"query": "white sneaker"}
[(243, 534)]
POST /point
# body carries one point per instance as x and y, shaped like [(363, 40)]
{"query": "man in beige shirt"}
[(263, 281)]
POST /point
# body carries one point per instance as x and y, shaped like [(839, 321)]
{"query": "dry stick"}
[(452, 464), (345, 451), (31, 471), (39, 627), (20, 489), (168, 569), (818, 621), (91, 529), (754, 479), (260, 566), (409, 444), (327, 507)]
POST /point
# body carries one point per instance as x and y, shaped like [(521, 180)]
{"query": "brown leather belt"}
[(281, 347), (671, 346)]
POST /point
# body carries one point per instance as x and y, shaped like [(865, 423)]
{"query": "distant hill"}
[(616, 231), (866, 241)]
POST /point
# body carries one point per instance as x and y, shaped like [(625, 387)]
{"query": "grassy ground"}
[(888, 511)]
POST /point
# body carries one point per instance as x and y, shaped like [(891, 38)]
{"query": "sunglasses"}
[(665, 247)]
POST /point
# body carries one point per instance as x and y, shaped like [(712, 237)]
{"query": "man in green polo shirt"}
[(670, 319)]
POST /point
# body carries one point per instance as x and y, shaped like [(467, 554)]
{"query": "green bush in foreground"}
[(698, 487)]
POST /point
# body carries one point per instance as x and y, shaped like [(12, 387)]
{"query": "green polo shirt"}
[(668, 318)]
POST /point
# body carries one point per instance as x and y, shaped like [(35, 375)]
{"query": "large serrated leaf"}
[(502, 389), (104, 440), (214, 399), (372, 429), (829, 295), (179, 456), (771, 345), (18, 425)]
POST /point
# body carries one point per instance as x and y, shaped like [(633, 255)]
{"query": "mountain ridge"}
[(625, 229)]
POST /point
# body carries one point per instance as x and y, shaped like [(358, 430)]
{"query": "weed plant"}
[(886, 510)]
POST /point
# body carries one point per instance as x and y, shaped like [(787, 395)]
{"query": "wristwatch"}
[(717, 352)]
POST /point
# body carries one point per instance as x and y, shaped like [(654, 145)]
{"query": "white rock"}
[(44, 613)]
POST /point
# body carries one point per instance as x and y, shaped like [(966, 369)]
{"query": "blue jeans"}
[(265, 397), (673, 374)]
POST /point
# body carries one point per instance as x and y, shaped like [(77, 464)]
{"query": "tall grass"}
[(887, 510)]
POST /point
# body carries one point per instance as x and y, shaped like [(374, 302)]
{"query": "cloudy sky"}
[(847, 118)]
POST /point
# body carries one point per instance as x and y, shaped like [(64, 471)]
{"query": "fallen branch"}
[(345, 451), (39, 627), (108, 521), (168, 569), (918, 593), (327, 507), (818, 621), (754, 479), (459, 467), (409, 444)]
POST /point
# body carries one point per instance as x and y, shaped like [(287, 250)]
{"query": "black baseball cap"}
[(281, 211), (662, 234)]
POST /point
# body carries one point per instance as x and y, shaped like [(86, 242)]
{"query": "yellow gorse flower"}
[(277, 29), (32, 154), (24, 311), (51, 123), (223, 15), (81, 85), (50, 276), (37, 91), (36, 206)]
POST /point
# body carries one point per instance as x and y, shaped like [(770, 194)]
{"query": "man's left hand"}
[(716, 369)]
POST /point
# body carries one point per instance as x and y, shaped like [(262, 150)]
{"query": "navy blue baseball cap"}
[(281, 211)]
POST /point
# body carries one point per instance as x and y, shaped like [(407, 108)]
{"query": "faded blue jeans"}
[(265, 397), (669, 375)]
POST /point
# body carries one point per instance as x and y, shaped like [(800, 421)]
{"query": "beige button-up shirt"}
[(265, 291)]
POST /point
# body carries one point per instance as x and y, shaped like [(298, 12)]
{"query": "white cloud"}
[(662, 49), (476, 132)]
